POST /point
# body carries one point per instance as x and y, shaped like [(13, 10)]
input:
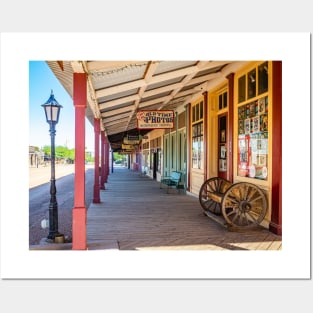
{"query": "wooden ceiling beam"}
[(120, 88), (117, 111), (94, 66), (117, 102)]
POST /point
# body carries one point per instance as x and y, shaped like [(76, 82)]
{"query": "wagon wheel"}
[(244, 205), (211, 193)]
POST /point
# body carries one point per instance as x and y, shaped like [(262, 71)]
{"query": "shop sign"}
[(129, 147), (133, 137), (131, 141), (152, 119)]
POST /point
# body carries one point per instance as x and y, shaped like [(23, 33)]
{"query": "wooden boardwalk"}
[(136, 214)]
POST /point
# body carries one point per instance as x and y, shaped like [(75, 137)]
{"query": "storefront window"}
[(222, 101), (253, 139), (197, 135), (197, 146)]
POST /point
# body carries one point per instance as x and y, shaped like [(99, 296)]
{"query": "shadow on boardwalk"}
[(137, 215)]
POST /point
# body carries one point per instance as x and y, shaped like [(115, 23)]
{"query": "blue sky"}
[(41, 82)]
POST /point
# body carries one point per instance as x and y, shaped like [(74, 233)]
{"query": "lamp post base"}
[(59, 238)]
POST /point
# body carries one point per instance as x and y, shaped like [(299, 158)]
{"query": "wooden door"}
[(222, 146)]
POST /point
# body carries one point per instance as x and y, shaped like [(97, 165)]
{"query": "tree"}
[(47, 150), (117, 156), (61, 152)]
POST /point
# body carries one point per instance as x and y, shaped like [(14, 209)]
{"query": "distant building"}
[(35, 157)]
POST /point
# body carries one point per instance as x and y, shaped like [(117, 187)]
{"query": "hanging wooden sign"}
[(152, 119), (129, 147), (127, 141)]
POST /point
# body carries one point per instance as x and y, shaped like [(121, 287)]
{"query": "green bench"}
[(174, 180)]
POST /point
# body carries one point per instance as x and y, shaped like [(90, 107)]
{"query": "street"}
[(39, 198)]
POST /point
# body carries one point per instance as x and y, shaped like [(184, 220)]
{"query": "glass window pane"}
[(252, 84), (197, 112), (242, 89), (48, 113), (220, 102), (263, 78), (201, 110), (225, 100), (193, 113)]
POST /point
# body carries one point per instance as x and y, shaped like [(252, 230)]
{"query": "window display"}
[(197, 146), (197, 135), (253, 139), (222, 127)]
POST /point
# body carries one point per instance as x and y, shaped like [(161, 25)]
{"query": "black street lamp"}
[(52, 110)]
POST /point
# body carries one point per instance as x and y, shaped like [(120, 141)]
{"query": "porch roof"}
[(116, 90)]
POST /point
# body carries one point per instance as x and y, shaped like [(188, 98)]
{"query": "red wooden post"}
[(79, 212), (102, 181), (230, 127), (276, 218), (107, 159), (205, 134), (96, 188)]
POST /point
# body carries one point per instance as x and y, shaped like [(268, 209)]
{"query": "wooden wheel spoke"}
[(256, 199), (246, 218), (232, 212), (245, 192), (234, 197), (237, 215), (211, 205), (241, 196), (215, 182), (252, 217), (217, 208), (251, 195), (206, 203), (233, 200), (240, 218)]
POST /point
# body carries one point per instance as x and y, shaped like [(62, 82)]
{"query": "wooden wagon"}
[(236, 206)]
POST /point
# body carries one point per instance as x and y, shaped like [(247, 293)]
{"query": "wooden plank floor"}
[(136, 214)]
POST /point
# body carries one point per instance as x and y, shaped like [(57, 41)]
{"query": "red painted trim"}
[(189, 144), (96, 187), (230, 128), (79, 241), (107, 160), (102, 180), (276, 217), (205, 134), (222, 174), (79, 184), (80, 90)]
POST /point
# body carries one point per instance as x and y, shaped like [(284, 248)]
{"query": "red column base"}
[(275, 228), (96, 198), (79, 235)]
